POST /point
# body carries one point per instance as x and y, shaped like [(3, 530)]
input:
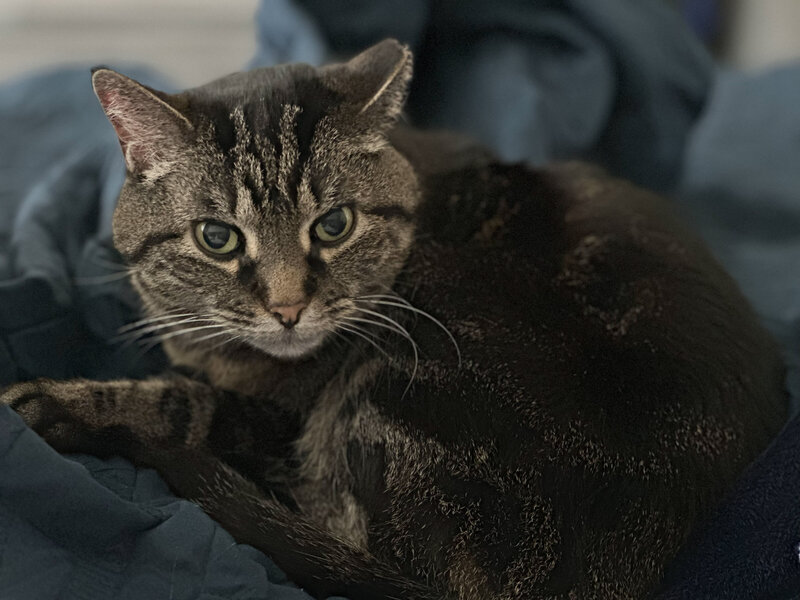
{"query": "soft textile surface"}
[(750, 548), (621, 82), (112, 532)]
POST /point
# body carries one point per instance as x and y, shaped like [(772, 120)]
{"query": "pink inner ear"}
[(130, 123), (109, 100), (148, 129)]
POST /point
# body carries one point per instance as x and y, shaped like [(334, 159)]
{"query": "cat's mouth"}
[(289, 343)]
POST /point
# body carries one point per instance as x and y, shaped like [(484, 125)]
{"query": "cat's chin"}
[(289, 346)]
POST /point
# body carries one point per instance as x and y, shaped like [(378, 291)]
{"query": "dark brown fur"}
[(605, 384)]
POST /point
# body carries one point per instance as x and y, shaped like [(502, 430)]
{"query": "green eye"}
[(333, 226), (216, 238)]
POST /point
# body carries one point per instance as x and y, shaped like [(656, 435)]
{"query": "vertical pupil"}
[(334, 223), (216, 236)]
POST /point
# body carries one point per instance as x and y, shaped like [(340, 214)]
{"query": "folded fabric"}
[(62, 291), (740, 185), (617, 81), (85, 528)]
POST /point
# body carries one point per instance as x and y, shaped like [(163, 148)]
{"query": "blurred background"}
[(193, 41)]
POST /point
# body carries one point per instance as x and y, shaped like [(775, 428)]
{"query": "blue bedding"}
[(622, 82)]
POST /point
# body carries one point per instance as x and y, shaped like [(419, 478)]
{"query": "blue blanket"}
[(621, 82)]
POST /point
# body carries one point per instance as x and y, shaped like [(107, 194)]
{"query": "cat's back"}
[(589, 293), (612, 380)]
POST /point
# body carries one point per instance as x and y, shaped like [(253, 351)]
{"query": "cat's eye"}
[(333, 226), (217, 238)]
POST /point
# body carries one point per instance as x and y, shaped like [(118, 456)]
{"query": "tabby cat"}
[(403, 369)]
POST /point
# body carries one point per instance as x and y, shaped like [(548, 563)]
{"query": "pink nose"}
[(287, 314)]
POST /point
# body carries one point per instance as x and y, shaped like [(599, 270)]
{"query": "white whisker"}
[(210, 336), (341, 337), (172, 334), (397, 328), (139, 333), (109, 264), (229, 340), (168, 336), (102, 279), (147, 320), (394, 326), (401, 303), (358, 332)]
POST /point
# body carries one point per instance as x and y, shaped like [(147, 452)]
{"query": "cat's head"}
[(260, 207)]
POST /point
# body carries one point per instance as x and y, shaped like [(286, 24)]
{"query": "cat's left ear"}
[(375, 83), (151, 131)]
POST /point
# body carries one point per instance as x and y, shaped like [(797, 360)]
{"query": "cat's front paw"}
[(35, 402), (59, 412)]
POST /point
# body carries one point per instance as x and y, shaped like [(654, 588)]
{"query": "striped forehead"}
[(268, 161)]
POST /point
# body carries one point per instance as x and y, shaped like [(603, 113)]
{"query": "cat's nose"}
[(287, 314)]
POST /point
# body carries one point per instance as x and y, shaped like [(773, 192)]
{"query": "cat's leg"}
[(254, 435), (103, 416), (173, 425)]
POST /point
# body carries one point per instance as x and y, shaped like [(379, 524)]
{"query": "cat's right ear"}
[(375, 84), (150, 130)]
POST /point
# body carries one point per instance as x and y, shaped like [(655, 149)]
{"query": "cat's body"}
[(587, 380)]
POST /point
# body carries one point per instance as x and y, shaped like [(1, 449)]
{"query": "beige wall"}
[(762, 32), (192, 41)]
